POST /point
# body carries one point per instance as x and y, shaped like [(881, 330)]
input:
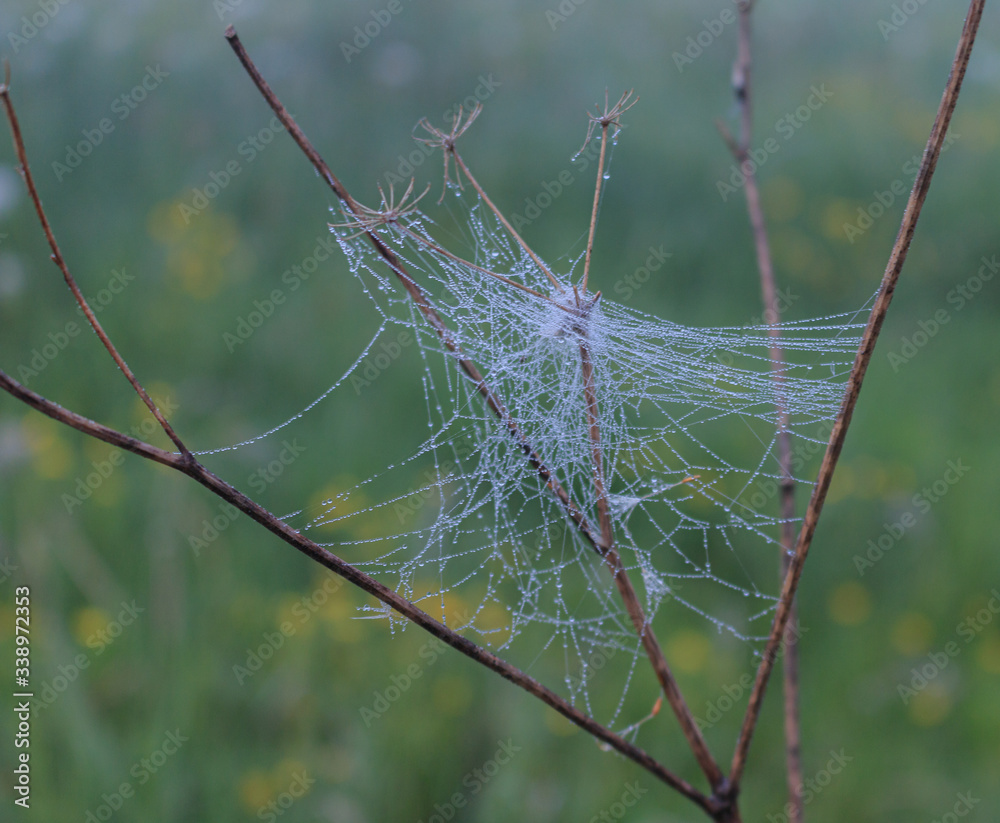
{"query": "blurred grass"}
[(172, 667)]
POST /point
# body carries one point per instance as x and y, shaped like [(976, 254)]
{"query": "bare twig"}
[(740, 149), (893, 268), (57, 257)]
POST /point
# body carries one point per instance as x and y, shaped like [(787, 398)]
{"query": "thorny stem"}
[(790, 664), (187, 464), (57, 257), (836, 443)]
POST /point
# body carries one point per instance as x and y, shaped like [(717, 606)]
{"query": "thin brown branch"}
[(434, 247), (196, 471), (836, 443), (742, 90), (29, 181), (479, 189)]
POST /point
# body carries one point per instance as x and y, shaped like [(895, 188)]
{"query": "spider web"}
[(688, 428)]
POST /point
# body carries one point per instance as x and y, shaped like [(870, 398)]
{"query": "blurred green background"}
[(135, 633)]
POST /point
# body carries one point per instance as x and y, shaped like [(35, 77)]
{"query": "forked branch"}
[(58, 259), (836, 443)]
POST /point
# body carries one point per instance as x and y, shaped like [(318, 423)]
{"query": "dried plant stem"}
[(742, 89), (57, 257), (593, 210), (893, 268)]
